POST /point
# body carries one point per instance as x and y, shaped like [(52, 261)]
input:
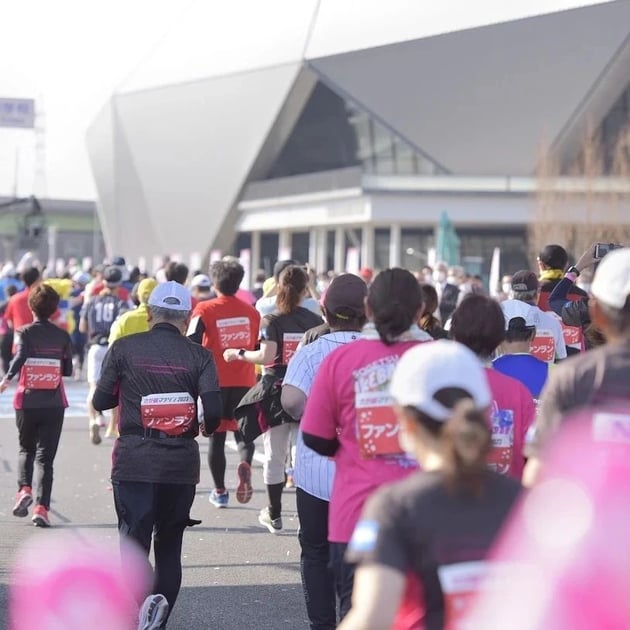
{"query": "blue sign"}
[(17, 112)]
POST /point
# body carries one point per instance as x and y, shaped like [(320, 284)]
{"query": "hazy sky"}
[(69, 55)]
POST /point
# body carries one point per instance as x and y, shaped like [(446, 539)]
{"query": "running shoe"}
[(95, 434), (153, 613), (219, 499), (274, 525), (40, 516), (23, 500), (244, 489)]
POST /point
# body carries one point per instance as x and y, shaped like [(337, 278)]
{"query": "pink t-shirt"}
[(350, 400), (513, 411), (246, 296)]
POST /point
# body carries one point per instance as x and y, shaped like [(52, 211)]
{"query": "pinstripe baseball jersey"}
[(312, 472)]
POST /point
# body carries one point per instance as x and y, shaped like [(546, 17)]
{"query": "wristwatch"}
[(241, 353), (573, 269)]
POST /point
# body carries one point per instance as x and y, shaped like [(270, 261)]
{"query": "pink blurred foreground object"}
[(563, 562), (63, 583)]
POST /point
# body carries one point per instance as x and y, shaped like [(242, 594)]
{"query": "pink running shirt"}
[(350, 400)]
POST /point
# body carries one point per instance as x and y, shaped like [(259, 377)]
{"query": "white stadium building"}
[(331, 129)]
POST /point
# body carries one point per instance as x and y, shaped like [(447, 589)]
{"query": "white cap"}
[(8, 270), (200, 280), (429, 367), (611, 284), (171, 295), (516, 308)]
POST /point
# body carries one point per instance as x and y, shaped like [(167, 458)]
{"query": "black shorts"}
[(230, 398)]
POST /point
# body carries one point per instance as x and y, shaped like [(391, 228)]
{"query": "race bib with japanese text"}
[(460, 583), (377, 426), (42, 373), (543, 346), (290, 342), (500, 456), (173, 413), (234, 332)]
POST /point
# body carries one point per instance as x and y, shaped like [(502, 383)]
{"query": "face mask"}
[(439, 276), (506, 288)]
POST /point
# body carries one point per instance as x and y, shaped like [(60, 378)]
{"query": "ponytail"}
[(466, 441), (292, 285)]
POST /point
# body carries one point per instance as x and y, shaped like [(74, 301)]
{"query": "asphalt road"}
[(235, 573)]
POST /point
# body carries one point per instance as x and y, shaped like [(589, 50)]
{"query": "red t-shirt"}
[(121, 292), (229, 323), (18, 311)]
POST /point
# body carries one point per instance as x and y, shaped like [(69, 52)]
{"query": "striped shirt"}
[(313, 473)]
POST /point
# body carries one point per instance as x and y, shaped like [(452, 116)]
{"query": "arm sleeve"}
[(269, 331), (561, 348), (19, 359), (558, 297), (379, 537), (106, 395)]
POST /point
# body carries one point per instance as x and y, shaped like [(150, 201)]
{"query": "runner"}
[(598, 377), (421, 543), (516, 360), (18, 313), (267, 304), (348, 414), (79, 339), (158, 377), (136, 320), (218, 324), (200, 288), (478, 323), (552, 262), (549, 343), (429, 322), (44, 355), (97, 318), (280, 334), (344, 309)]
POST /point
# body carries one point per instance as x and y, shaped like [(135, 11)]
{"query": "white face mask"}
[(439, 276), (506, 288)]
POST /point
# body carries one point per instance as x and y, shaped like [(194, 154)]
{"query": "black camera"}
[(601, 249)]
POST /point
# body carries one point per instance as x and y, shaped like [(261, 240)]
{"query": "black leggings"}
[(39, 431), (216, 455), (161, 511)]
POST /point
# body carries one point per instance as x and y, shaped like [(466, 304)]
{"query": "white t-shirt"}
[(313, 473), (267, 305), (548, 322)]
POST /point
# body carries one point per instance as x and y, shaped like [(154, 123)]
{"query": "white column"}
[(313, 245), (340, 250), (395, 256), (367, 246), (284, 245), (255, 255), (321, 261)]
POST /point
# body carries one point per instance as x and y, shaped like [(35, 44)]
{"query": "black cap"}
[(119, 261), (524, 281), (112, 275), (345, 297)]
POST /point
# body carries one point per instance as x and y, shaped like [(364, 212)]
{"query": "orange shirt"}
[(229, 323)]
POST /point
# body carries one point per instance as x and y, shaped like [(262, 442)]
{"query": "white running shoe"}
[(153, 613)]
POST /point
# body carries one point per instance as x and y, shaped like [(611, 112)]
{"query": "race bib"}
[(460, 583), (611, 427), (42, 373), (500, 456), (173, 413), (290, 342), (543, 346), (377, 424), (573, 337), (234, 332)]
